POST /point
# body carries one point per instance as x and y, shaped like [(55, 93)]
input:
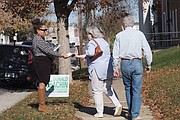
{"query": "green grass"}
[(161, 88), (81, 74), (63, 108), (166, 58)]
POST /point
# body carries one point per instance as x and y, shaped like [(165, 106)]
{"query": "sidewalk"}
[(9, 99), (86, 113)]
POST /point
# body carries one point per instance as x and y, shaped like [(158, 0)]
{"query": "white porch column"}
[(144, 18)]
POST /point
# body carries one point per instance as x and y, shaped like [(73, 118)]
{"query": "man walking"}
[(130, 46)]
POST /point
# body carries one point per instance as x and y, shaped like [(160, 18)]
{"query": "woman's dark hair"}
[(37, 23)]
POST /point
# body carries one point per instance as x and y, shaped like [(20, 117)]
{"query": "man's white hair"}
[(94, 31), (128, 21)]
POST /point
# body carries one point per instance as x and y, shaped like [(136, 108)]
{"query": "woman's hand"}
[(64, 56), (148, 70), (116, 73)]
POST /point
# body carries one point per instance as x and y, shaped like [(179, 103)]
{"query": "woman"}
[(100, 71), (43, 55)]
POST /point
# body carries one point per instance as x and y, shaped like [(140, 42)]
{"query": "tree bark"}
[(62, 10), (64, 64)]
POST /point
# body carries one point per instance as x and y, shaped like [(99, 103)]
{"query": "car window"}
[(20, 51), (15, 54)]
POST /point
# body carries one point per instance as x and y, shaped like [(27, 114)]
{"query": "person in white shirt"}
[(100, 71), (130, 46)]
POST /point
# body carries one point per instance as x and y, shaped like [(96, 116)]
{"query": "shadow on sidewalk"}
[(90, 110)]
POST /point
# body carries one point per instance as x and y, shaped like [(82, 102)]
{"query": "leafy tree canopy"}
[(26, 9), (16, 15)]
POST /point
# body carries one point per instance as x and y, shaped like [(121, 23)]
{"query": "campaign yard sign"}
[(58, 86)]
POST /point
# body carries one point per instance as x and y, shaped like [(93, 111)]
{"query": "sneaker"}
[(137, 118), (118, 110), (98, 115)]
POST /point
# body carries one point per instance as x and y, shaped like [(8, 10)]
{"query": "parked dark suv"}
[(16, 65)]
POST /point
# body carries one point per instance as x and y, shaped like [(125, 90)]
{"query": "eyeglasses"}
[(42, 29)]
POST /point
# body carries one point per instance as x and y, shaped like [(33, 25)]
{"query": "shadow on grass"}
[(80, 74), (36, 105)]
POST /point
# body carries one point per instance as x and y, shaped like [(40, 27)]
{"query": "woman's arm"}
[(80, 56), (45, 47)]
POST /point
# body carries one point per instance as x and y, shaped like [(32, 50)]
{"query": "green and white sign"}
[(58, 86)]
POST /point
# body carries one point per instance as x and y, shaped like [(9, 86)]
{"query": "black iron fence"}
[(163, 39)]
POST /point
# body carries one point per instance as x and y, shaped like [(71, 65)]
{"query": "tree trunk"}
[(64, 64)]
